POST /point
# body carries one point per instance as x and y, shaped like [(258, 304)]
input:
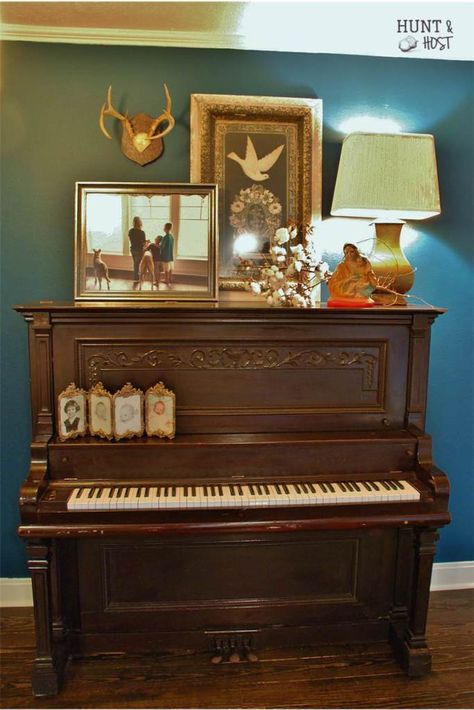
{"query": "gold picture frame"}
[(146, 242), (160, 423), (72, 413), (265, 155), (101, 420), (128, 412)]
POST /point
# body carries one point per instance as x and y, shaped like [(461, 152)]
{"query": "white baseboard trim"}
[(446, 575)]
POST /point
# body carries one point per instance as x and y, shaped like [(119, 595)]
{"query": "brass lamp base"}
[(390, 265)]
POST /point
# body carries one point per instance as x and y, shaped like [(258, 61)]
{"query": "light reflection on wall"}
[(331, 234), (369, 124)]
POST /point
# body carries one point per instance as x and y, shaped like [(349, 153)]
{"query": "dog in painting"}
[(101, 270), (146, 267)]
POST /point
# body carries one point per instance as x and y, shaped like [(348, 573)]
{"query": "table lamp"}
[(389, 177)]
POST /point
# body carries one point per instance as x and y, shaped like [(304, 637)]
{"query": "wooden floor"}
[(332, 677)]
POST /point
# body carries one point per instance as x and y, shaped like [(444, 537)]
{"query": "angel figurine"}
[(353, 281)]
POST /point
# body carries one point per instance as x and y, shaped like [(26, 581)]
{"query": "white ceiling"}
[(364, 28)]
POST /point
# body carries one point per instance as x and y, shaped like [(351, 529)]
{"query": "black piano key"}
[(342, 486), (165, 491), (173, 491), (252, 490), (204, 490), (99, 494), (139, 492), (213, 490), (220, 491), (349, 485), (259, 489), (384, 484), (374, 486), (111, 492), (127, 491), (185, 491), (297, 488), (278, 489), (91, 492), (366, 486), (398, 485), (147, 492), (311, 488), (239, 488), (392, 485), (356, 485), (193, 491), (323, 486), (266, 489), (232, 490), (120, 491), (81, 491), (331, 488), (304, 487), (286, 489)]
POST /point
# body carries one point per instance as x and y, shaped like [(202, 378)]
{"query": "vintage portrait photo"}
[(128, 412), (72, 419), (100, 412), (160, 415)]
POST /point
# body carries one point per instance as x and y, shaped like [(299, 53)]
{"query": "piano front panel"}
[(237, 582), (261, 377)]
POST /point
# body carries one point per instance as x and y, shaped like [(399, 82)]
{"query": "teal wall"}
[(50, 139)]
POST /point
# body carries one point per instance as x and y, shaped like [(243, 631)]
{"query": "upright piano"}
[(298, 503)]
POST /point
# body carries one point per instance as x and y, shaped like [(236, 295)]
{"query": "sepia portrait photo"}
[(72, 420), (160, 412), (100, 412), (128, 412)]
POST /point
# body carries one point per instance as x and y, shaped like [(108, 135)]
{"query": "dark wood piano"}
[(314, 420)]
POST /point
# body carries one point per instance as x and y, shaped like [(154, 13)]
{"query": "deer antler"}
[(108, 110), (165, 116)]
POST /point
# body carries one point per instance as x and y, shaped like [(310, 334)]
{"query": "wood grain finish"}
[(323, 675), (263, 395)]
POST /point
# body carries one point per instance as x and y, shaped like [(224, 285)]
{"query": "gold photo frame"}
[(101, 420), (72, 413), (128, 412), (146, 242), (160, 412), (265, 155)]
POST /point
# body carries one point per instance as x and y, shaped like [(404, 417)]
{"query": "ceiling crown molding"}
[(111, 36)]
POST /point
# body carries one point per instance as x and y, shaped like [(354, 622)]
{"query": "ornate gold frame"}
[(83, 189), (301, 120), (160, 390), (71, 391), (128, 390), (99, 390)]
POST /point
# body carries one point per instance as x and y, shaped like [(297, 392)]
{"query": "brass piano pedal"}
[(249, 654), (234, 656), (219, 654)]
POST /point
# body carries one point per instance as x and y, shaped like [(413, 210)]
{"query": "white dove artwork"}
[(255, 168)]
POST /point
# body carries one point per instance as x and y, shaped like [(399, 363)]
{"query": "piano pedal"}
[(235, 655), (219, 654)]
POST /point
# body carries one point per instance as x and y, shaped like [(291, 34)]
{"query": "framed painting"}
[(72, 412), (264, 153), (100, 412), (146, 242), (160, 414), (128, 412)]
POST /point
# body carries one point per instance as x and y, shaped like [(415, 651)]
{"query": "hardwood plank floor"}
[(330, 677)]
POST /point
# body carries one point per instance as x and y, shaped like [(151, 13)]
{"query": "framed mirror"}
[(146, 242)]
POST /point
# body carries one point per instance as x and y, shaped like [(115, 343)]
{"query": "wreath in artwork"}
[(257, 211)]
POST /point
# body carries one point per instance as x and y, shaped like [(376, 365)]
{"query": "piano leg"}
[(409, 639), (50, 656)]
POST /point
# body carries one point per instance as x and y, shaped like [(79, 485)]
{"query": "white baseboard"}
[(446, 575)]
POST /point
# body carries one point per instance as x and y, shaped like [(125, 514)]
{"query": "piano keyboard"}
[(239, 496)]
